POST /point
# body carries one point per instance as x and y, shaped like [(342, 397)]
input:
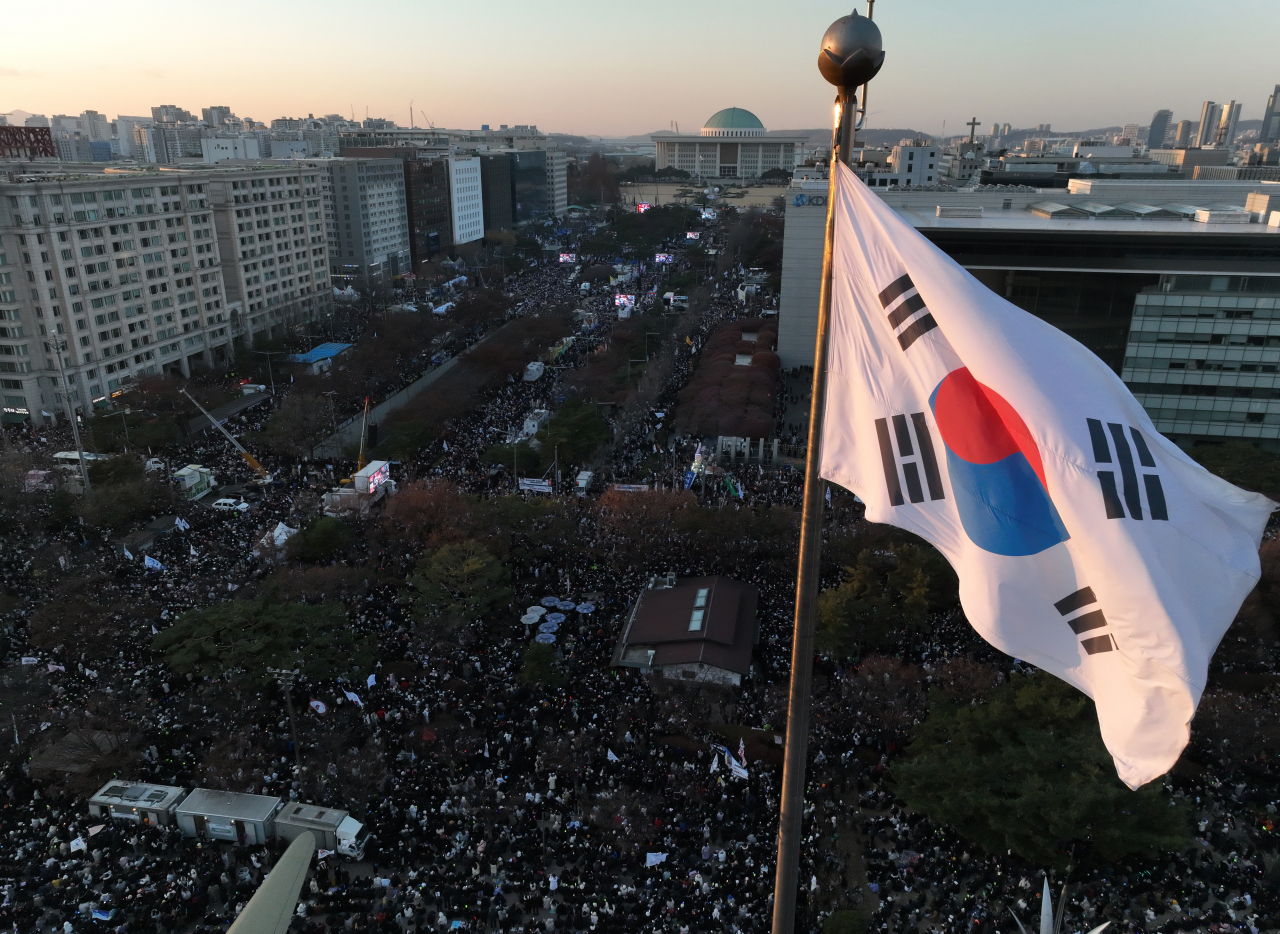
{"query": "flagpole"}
[(850, 56)]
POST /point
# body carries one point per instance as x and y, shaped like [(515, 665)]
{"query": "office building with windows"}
[(108, 277), (1174, 284), (368, 222), (1159, 128)]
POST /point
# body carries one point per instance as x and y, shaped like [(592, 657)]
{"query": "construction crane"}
[(248, 458), (364, 433)]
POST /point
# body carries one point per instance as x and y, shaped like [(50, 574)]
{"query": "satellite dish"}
[(271, 908)]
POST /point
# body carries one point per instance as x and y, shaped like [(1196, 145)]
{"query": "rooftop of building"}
[(733, 118), (709, 620)]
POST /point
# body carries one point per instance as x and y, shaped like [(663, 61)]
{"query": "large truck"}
[(230, 816), (193, 481), (335, 830), (369, 485)]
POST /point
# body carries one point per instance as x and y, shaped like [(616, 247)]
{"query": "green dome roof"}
[(733, 118)]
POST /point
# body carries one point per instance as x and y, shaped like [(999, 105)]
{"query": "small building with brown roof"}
[(692, 629)]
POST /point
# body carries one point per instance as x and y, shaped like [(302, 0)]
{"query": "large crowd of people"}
[(595, 799)]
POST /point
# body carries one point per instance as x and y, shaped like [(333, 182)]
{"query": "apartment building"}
[(107, 277), (368, 224), (271, 240)]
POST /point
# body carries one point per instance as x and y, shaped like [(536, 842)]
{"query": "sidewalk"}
[(348, 435)]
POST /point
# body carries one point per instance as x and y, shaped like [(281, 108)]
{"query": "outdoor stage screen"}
[(625, 301), (663, 258), (693, 235), (568, 257)]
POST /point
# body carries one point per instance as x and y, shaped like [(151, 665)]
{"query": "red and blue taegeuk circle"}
[(997, 473)]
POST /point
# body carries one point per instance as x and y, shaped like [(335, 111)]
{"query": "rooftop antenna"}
[(412, 125)]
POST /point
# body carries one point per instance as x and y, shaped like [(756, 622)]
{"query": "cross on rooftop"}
[(973, 128)]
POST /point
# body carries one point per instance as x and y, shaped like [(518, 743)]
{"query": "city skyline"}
[(555, 73)]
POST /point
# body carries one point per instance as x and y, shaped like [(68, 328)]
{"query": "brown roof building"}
[(692, 629)]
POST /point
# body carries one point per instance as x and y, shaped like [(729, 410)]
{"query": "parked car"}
[(229, 505)]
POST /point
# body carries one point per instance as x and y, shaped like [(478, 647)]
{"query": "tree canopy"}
[(1027, 772), (462, 581), (251, 635), (885, 594), (319, 541), (1243, 464)]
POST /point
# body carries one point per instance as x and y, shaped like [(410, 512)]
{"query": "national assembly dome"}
[(733, 121)]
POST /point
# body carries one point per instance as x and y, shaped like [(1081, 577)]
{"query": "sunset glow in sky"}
[(617, 67)]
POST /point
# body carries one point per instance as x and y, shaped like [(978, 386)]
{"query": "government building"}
[(732, 144)]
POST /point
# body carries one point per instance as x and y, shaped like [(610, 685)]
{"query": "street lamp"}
[(123, 421), (69, 408), (285, 678), (271, 373)]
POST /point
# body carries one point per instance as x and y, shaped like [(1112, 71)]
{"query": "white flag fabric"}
[(1085, 542), (612, 757)]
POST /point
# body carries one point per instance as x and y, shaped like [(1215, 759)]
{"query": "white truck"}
[(193, 481), (368, 486)]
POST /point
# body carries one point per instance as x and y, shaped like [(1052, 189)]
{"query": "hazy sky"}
[(617, 67)]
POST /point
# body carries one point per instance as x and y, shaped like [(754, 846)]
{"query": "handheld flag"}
[(128, 554), (353, 698), (151, 564), (373, 679), (742, 750), (1084, 541), (193, 551), (319, 706), (612, 757)]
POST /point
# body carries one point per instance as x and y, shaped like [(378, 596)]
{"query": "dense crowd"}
[(596, 801)]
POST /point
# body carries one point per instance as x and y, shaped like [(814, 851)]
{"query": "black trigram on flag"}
[(1104, 438), (906, 310), (1089, 622), (913, 458)]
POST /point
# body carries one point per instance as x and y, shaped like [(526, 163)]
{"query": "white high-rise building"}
[(465, 199), (125, 127), (95, 126), (1217, 125)]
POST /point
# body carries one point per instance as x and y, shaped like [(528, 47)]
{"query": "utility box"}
[(334, 829), (138, 802), (193, 481), (229, 815)]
